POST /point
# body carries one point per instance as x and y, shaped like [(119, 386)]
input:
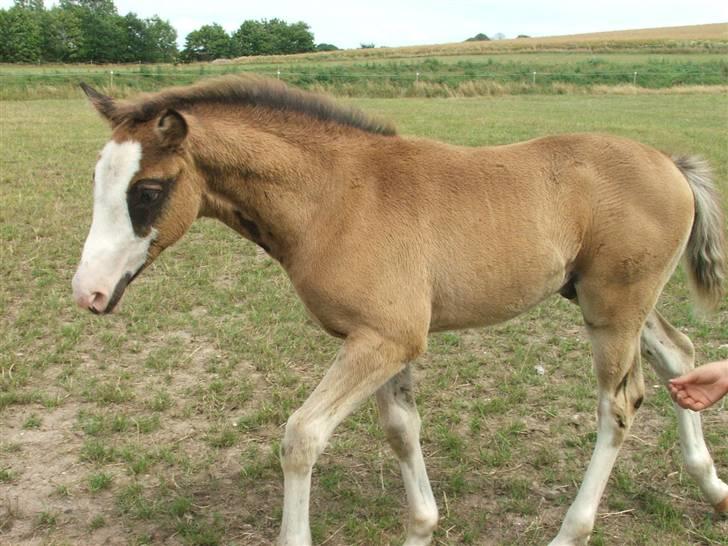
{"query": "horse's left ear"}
[(172, 128)]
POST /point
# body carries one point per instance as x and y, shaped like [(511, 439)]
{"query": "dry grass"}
[(664, 38), (486, 88)]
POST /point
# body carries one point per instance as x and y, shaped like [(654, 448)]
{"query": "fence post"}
[(634, 79), (533, 81), (417, 77), (278, 74), (111, 78)]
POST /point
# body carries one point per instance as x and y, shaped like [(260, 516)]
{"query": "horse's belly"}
[(494, 295)]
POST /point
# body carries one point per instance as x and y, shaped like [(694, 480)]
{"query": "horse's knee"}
[(618, 407), (398, 414), (302, 444), (402, 434)]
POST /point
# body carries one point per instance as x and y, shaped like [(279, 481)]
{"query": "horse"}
[(388, 238)]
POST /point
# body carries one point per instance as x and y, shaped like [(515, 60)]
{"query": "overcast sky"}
[(415, 22)]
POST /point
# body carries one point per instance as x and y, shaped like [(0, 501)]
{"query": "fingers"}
[(688, 402), (694, 376), (707, 373), (685, 401), (701, 387), (682, 397)]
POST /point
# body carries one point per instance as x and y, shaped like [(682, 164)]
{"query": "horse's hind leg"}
[(670, 353), (621, 390), (401, 423)]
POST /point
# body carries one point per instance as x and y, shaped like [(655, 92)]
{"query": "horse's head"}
[(145, 197)]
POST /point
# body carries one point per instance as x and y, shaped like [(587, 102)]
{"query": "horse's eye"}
[(148, 196)]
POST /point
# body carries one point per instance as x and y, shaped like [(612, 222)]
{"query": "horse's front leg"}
[(366, 361)]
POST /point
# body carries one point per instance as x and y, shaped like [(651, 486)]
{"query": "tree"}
[(20, 35), (62, 35), (251, 39), (104, 37), (103, 30), (31, 5), (291, 38), (94, 31), (272, 37), (160, 41), (135, 42), (82, 31), (480, 37), (105, 7), (207, 43)]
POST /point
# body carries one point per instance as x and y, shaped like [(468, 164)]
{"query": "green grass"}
[(47, 519), (99, 481), (433, 76), (167, 416), (32, 422), (97, 522)]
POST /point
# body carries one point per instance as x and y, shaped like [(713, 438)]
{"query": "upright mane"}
[(250, 91)]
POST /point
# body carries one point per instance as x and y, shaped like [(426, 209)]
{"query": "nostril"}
[(98, 301)]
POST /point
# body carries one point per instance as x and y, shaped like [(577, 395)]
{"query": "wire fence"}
[(532, 76), (377, 81)]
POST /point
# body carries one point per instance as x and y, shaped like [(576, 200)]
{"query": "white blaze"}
[(112, 249)]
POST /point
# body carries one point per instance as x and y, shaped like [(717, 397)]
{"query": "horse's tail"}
[(706, 249)]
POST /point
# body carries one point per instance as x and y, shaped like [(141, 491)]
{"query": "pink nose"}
[(96, 301), (89, 295)]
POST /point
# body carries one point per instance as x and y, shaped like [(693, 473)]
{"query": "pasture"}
[(467, 75), (162, 422)]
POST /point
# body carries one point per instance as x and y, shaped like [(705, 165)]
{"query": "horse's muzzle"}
[(99, 302)]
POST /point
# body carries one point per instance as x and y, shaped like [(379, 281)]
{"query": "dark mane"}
[(250, 91)]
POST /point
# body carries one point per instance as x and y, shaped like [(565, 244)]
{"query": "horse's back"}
[(454, 237), (548, 210)]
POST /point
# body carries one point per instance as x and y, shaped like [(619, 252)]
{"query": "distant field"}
[(640, 60), (538, 73), (712, 37), (161, 424)]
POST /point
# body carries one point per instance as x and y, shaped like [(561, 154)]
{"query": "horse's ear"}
[(104, 105), (172, 128)]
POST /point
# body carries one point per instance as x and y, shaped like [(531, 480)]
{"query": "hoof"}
[(722, 507)]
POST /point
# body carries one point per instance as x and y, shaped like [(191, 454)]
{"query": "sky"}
[(417, 22)]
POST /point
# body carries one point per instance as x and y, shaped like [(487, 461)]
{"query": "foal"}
[(387, 238)]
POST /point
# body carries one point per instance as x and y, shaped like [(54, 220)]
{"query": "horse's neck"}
[(264, 187)]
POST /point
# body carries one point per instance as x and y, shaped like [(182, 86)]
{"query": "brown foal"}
[(388, 238)]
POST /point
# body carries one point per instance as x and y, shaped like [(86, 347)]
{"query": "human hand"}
[(702, 387)]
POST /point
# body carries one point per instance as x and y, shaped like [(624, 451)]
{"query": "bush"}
[(480, 37)]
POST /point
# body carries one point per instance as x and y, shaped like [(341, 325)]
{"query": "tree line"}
[(265, 37), (82, 31), (92, 31)]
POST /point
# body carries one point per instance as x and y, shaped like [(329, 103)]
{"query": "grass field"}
[(161, 424), (535, 73)]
